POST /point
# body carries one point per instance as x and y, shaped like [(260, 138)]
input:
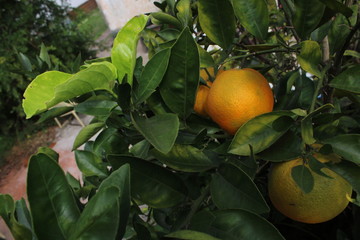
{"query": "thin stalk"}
[(316, 93), (253, 54), (194, 207)]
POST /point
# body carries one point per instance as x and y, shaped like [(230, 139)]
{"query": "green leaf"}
[(120, 179), (100, 217), (151, 76), (86, 133), (310, 57), (167, 19), (25, 62), (205, 58), (184, 13), (307, 132), (96, 107), (232, 188), (185, 158), (191, 235), (167, 189), (123, 52), (15, 225), (303, 178), (253, 15), (49, 152), (179, 86), (109, 141), (349, 171), (53, 207), (234, 224), (90, 164), (307, 16), (53, 113), (53, 87), (160, 130), (338, 7), (261, 132), (348, 80), (352, 53), (285, 148), (217, 20), (140, 149), (347, 146), (44, 55)]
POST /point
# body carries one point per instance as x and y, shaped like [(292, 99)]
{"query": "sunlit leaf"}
[(86, 133)]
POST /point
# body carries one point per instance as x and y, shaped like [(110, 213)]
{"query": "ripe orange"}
[(236, 96), (328, 198), (200, 100)]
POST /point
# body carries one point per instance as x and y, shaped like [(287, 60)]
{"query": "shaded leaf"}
[(234, 224), (260, 132), (348, 80), (167, 19), (307, 16), (160, 130), (349, 171), (152, 75), (182, 76), (86, 133), (167, 189), (53, 113), (48, 189), (185, 158), (303, 178), (184, 13), (217, 20), (90, 164), (338, 7), (205, 58), (95, 107), (25, 62), (347, 146), (253, 15), (232, 188)]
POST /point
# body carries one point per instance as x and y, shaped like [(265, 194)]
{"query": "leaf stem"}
[(194, 207)]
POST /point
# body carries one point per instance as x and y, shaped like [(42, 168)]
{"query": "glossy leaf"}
[(191, 235), (53, 207), (310, 57), (234, 224), (303, 178), (217, 20), (96, 107), (253, 15), (348, 80), (349, 171), (140, 149), (90, 164), (120, 178), (184, 13), (123, 52), (285, 148), (347, 146), (100, 217), (182, 76), (160, 130), (110, 141), (185, 158), (53, 87), (232, 188), (152, 75), (167, 189), (86, 133), (260, 132), (307, 16), (53, 113)]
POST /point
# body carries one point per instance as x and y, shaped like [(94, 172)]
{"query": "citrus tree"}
[(243, 124)]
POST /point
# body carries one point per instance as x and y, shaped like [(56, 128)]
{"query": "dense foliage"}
[(25, 26), (157, 170)]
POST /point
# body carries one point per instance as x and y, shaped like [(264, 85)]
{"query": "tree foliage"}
[(156, 170)]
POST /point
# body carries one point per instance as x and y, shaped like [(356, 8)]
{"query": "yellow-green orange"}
[(328, 198), (236, 96)]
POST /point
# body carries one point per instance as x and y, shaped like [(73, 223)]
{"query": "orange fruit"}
[(236, 96), (328, 198), (201, 96)]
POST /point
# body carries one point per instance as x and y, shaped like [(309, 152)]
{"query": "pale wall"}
[(118, 12)]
